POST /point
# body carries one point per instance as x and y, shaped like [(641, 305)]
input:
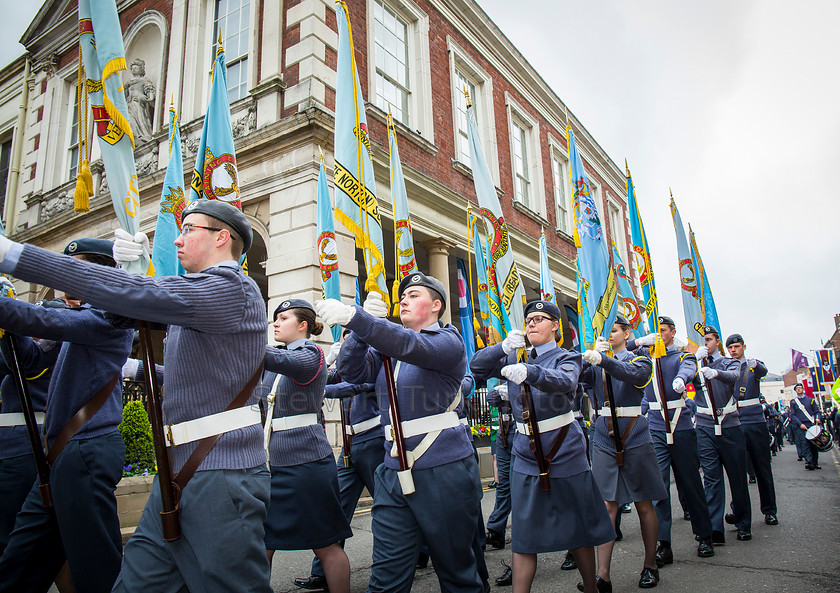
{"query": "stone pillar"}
[(438, 252)]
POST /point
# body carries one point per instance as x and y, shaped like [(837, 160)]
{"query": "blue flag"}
[(499, 322), (597, 277), (707, 301), (404, 259), (465, 308), (168, 226), (482, 290), (355, 188), (327, 246), (103, 55), (501, 265), (641, 253), (546, 283), (630, 308), (215, 176), (692, 306)]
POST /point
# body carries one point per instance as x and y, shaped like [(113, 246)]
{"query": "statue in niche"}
[(140, 95)]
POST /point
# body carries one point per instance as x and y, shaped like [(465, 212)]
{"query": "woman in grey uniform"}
[(571, 515), (305, 510), (637, 479)]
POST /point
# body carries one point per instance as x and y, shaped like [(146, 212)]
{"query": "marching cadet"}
[(366, 437), (429, 366), (17, 469), (305, 511), (213, 360), (497, 521), (556, 504), (804, 413), (632, 474), (727, 449), (84, 447), (678, 369), (754, 425)]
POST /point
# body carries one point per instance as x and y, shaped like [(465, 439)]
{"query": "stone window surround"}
[(515, 112)]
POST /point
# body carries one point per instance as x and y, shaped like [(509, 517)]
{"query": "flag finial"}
[(321, 152), (626, 166), (467, 96)]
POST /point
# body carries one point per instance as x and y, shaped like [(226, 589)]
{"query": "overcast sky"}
[(735, 106)]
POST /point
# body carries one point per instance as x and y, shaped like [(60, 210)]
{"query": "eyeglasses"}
[(187, 228), (536, 320)]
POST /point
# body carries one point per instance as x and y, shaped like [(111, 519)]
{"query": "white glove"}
[(751, 363), (678, 385), (130, 368), (709, 373), (592, 357), (333, 353), (702, 352), (601, 344), (375, 305), (648, 340), (334, 312), (515, 372), (503, 392), (4, 246), (128, 248), (6, 287), (514, 341)]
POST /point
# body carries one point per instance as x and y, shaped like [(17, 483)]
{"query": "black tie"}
[(533, 353)]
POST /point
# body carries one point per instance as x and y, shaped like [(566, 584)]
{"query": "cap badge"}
[(415, 279), (72, 247), (285, 305), (539, 306)]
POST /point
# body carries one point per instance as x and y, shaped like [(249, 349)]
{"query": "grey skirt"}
[(570, 515), (638, 479), (304, 512)]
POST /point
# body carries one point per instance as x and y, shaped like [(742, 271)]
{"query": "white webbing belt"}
[(268, 416), (722, 412), (804, 411), (17, 419), (749, 402), (548, 424), (431, 426), (290, 422), (363, 426), (674, 404), (208, 426), (623, 411)]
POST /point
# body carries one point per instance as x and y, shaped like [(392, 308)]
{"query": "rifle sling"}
[(205, 445), (85, 413)]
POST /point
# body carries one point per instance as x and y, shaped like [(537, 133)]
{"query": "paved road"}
[(799, 555)]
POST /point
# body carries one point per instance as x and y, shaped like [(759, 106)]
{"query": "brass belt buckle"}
[(168, 433)]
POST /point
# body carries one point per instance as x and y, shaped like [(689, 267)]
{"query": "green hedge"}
[(136, 431)]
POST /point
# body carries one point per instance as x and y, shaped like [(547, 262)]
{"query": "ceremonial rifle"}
[(31, 423), (168, 497), (406, 481), (710, 395)]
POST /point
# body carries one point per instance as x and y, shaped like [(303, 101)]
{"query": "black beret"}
[(230, 215), (711, 329), (734, 339), (619, 319), (663, 320), (292, 304), (90, 247), (420, 279), (546, 307)]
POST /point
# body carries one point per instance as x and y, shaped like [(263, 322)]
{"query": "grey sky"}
[(734, 105)]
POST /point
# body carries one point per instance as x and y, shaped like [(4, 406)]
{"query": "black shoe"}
[(601, 585), (809, 467), (752, 478), (744, 535), (718, 538), (495, 539), (799, 459), (313, 582), (493, 485), (626, 508), (818, 466), (506, 580), (649, 578), (771, 519), (705, 549), (686, 516), (423, 560), (729, 518), (618, 535), (664, 555), (569, 562)]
